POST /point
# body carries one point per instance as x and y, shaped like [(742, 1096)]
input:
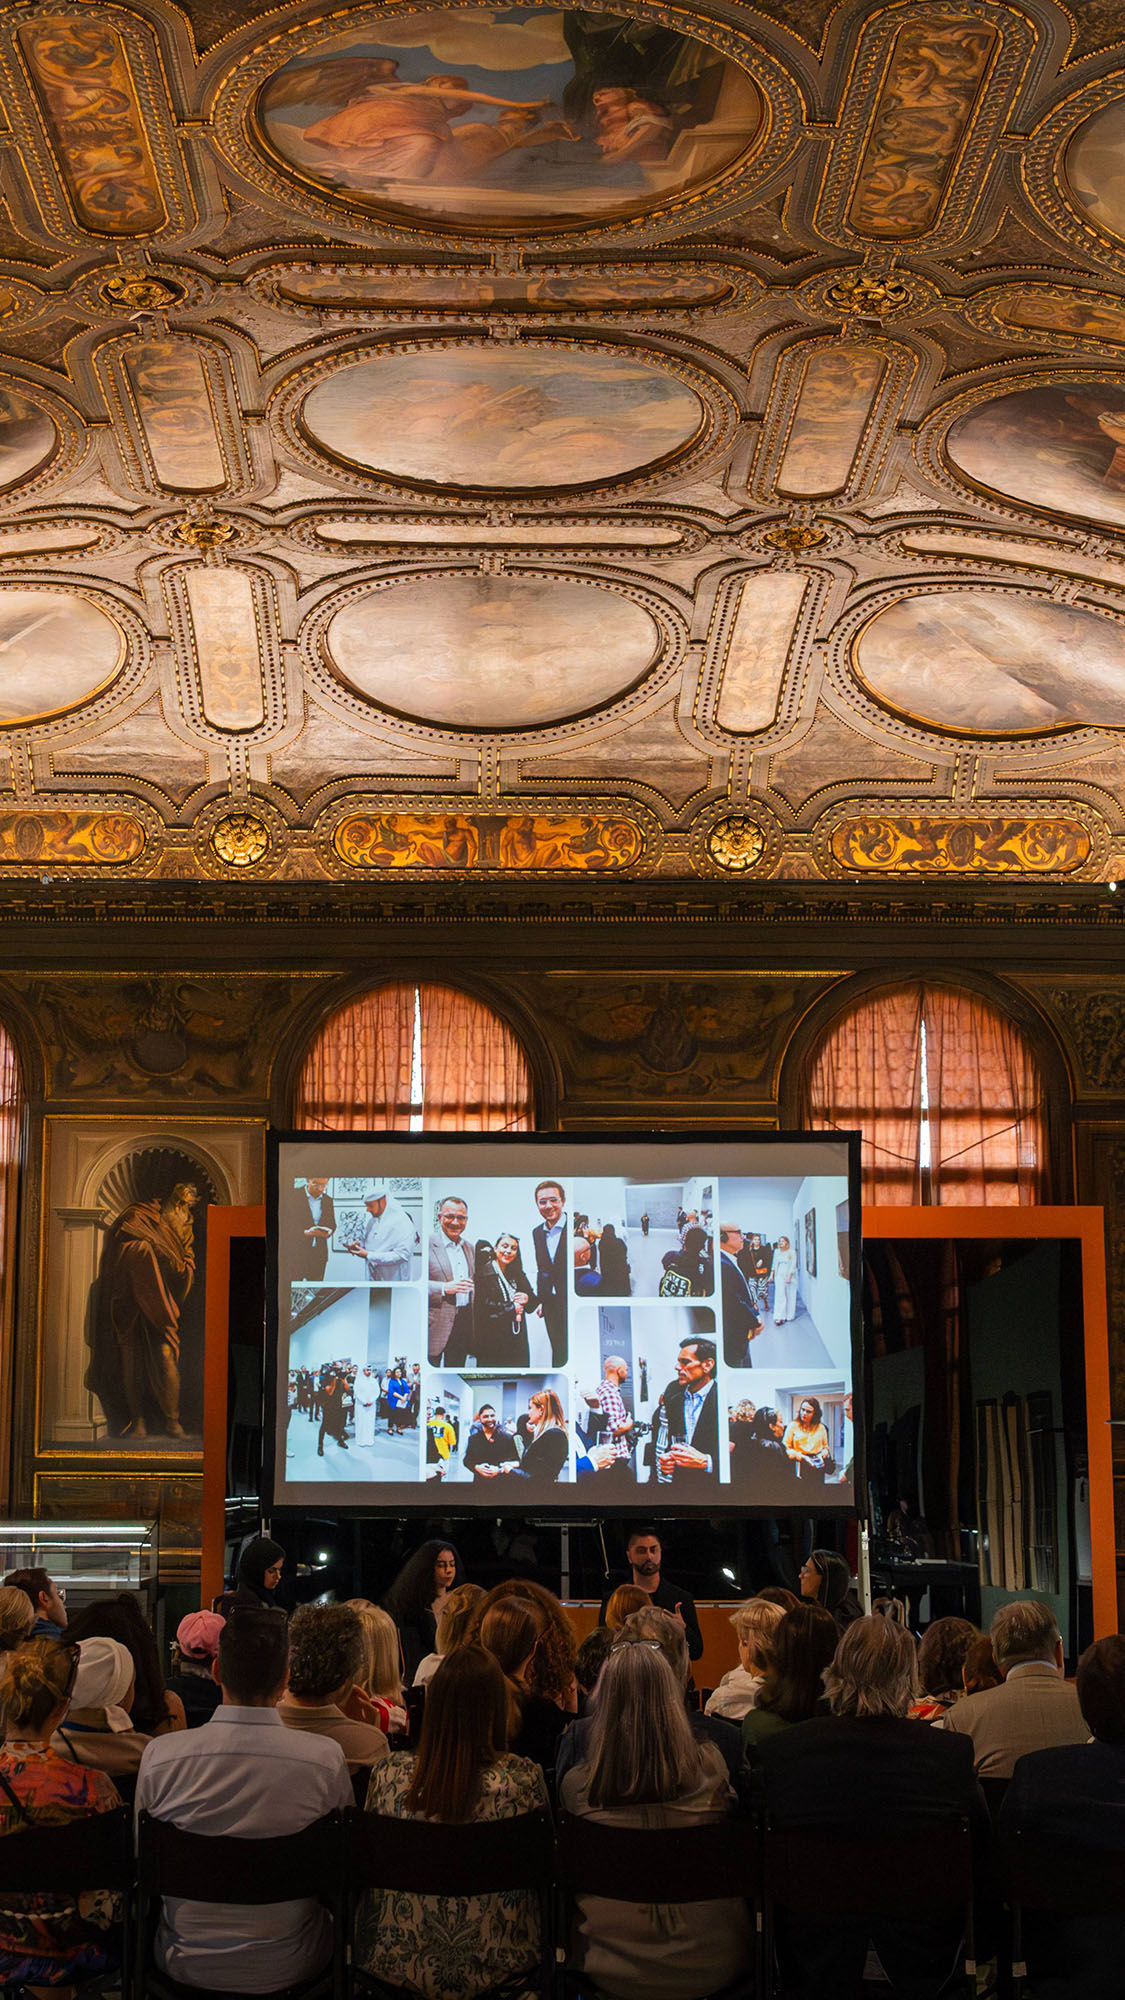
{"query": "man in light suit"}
[(740, 1318), (1036, 1709), (310, 1223), (451, 1285), (550, 1239), (691, 1413)]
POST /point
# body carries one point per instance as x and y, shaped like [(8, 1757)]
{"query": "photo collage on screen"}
[(519, 1337)]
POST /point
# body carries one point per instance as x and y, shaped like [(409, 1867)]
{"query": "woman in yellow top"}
[(806, 1438)]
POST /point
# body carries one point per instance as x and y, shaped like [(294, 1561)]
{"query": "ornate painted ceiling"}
[(502, 441)]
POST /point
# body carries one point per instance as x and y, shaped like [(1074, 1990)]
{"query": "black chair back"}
[(91, 1853), (994, 1791), (693, 1864), (916, 1868), (222, 1868), (1068, 1881)]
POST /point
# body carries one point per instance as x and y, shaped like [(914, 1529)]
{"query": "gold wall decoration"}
[(736, 843), (869, 294), (69, 839), (839, 385), (221, 605), (240, 839), (934, 82), (524, 842), (137, 291), (996, 844), (87, 96)]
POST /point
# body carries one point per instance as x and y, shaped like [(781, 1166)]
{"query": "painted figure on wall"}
[(147, 1273)]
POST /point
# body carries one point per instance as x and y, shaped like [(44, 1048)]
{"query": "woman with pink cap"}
[(193, 1657)]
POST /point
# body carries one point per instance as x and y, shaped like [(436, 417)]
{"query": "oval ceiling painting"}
[(27, 437), (1059, 446), (491, 652), (488, 416), (507, 116), (994, 663), (1095, 168), (56, 649)]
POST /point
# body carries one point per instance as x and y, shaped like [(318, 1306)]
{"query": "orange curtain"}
[(356, 1075), (867, 1075), (474, 1072), (987, 1133), (11, 1126)]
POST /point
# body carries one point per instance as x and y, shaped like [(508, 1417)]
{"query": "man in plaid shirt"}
[(608, 1399)]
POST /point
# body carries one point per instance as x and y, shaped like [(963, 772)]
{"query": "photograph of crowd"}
[(601, 1332)]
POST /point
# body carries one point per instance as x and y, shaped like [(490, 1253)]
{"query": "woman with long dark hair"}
[(801, 1647), (442, 1947), (416, 1600), (503, 1295), (156, 1710)]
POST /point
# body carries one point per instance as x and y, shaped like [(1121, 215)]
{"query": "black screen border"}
[(569, 1511)]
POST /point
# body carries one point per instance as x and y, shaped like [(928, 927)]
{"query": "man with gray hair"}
[(1035, 1709)]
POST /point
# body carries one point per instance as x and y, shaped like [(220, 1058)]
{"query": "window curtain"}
[(987, 1134), (867, 1074), (357, 1074), (11, 1125)]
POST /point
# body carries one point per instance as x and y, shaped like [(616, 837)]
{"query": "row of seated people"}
[(836, 1730)]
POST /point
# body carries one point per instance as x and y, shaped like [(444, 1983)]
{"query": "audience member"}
[(1035, 1709), (325, 1657), (17, 1616), (194, 1654), (458, 1627), (658, 1628), (866, 1768), (417, 1597), (244, 1773), (442, 1947), (591, 1657), (256, 1578), (754, 1624), (941, 1664), (801, 1647), (512, 1630), (1069, 1802), (98, 1729), (377, 1697), (622, 1602), (47, 1601), (48, 1940), (827, 1580), (645, 1556), (552, 1669), (642, 1766), (980, 1670), (155, 1710)]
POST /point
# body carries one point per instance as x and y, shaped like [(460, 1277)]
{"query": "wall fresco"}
[(81, 77), (1047, 309), (531, 842), (933, 83), (1060, 446), (173, 398), (1094, 165), (838, 388), (71, 839), (347, 288), (491, 652), (500, 417), (56, 649), (759, 648), (27, 437), (510, 116), (906, 844), (227, 645), (993, 662)]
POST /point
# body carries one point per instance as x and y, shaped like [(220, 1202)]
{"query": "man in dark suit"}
[(740, 1319), (550, 1239), (689, 1458), (1066, 1802), (309, 1226)]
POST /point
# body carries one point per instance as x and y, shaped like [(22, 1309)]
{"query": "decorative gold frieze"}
[(240, 839), (69, 839), (517, 842), (736, 844), (996, 844)]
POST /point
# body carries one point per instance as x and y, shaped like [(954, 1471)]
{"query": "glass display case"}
[(87, 1559)]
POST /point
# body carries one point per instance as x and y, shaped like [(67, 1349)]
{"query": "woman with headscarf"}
[(98, 1728), (827, 1580), (156, 1709), (256, 1578)]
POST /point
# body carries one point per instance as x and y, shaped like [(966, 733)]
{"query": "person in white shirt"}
[(737, 1693), (244, 1773), (386, 1239), (368, 1390)]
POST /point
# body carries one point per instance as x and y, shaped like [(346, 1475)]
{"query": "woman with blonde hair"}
[(377, 1694), (643, 1766), (737, 1693), (47, 1940), (512, 1630), (622, 1602), (17, 1616), (442, 1947), (458, 1628), (547, 1449)]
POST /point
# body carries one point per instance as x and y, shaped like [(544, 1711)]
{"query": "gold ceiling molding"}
[(652, 537), (1058, 316), (768, 150), (736, 843), (1048, 167), (240, 839), (735, 840), (43, 439), (626, 289), (918, 128), (831, 418), (759, 630), (177, 422), (69, 838), (461, 416), (532, 840), (88, 103), (225, 625), (1010, 843)]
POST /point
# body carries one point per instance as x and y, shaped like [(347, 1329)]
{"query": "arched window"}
[(11, 1127), (946, 1091), (407, 1058)]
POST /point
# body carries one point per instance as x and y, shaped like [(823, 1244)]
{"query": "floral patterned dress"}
[(453, 1947), (48, 1940)]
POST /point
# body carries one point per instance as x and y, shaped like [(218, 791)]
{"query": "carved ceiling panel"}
[(535, 443)]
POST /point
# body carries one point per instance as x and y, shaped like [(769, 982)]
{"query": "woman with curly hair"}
[(514, 1630), (416, 1599), (941, 1660)]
